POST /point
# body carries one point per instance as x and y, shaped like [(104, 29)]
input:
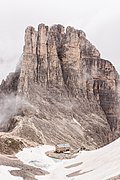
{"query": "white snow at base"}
[(37, 157), (5, 174), (99, 164)]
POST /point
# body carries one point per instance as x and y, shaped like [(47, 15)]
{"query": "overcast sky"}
[(100, 19)]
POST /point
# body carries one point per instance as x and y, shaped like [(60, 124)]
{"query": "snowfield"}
[(100, 164), (5, 175)]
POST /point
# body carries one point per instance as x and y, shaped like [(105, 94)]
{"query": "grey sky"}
[(100, 19)]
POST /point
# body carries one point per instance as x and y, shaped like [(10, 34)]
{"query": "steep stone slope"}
[(64, 91)]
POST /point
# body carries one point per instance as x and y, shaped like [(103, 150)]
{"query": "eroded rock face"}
[(57, 58), (74, 91)]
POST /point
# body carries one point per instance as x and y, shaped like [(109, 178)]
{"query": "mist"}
[(12, 106), (7, 110), (8, 107)]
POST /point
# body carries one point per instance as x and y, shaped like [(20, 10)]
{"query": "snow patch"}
[(76, 122), (99, 164), (5, 174), (37, 157)]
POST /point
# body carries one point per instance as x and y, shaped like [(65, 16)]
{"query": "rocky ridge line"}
[(75, 93)]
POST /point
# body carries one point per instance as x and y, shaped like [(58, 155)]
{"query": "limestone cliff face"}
[(74, 91), (55, 57)]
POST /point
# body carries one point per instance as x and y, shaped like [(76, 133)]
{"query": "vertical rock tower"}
[(75, 91), (55, 57)]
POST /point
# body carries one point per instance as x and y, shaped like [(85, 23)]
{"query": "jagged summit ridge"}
[(55, 53), (54, 57), (64, 78)]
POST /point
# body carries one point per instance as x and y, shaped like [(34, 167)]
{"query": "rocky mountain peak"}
[(54, 56), (71, 92)]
